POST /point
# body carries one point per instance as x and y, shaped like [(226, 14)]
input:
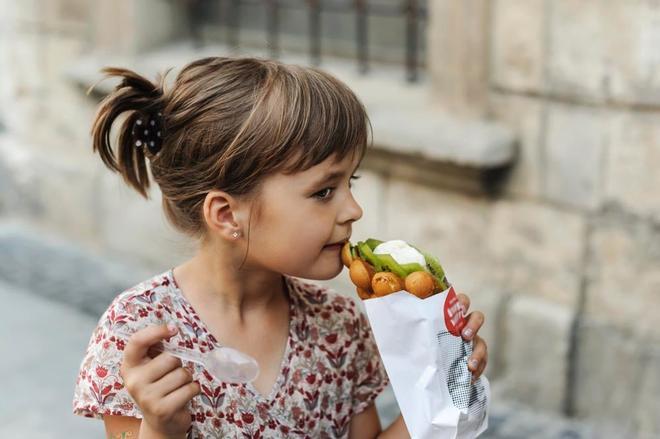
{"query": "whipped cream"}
[(401, 252)]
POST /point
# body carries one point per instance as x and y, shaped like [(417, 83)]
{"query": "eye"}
[(330, 189), (324, 191)]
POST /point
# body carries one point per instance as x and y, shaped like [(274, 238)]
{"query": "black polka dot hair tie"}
[(148, 131)]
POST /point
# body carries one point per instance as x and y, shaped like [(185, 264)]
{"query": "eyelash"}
[(354, 177)]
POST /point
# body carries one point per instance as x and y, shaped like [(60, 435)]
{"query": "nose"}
[(352, 210)]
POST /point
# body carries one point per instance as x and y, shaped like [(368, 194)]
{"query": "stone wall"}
[(579, 81), (564, 262)]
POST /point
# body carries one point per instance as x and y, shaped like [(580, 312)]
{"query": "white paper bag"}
[(426, 360)]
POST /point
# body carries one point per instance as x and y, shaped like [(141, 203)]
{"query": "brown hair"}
[(228, 123)]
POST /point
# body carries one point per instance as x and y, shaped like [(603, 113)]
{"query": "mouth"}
[(336, 245)]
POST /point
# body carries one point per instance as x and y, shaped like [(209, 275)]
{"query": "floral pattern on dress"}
[(330, 372)]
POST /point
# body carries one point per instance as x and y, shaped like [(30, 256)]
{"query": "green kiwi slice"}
[(412, 267), (390, 264), (373, 243), (368, 255)]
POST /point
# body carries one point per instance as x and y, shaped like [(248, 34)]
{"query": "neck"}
[(209, 278)]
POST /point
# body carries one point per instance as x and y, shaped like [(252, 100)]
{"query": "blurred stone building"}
[(522, 153)]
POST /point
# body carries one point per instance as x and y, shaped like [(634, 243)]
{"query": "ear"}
[(223, 215)]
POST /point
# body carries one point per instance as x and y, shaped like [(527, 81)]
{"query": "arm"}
[(121, 427), (127, 427), (367, 425), (396, 430)]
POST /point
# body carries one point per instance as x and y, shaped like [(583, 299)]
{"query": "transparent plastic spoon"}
[(224, 363)]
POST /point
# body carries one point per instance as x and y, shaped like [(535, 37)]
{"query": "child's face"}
[(300, 215)]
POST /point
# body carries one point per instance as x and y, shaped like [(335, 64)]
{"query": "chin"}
[(325, 273)]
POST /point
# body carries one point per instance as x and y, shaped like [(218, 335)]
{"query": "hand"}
[(159, 385), (479, 358)]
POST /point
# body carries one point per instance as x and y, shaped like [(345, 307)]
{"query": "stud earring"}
[(235, 234)]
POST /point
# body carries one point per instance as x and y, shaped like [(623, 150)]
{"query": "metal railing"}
[(413, 12)]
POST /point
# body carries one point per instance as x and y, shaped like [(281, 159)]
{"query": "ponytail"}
[(144, 102)]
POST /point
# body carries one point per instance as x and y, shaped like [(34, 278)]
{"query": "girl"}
[(254, 160)]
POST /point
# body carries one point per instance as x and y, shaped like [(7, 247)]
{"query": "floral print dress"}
[(331, 369)]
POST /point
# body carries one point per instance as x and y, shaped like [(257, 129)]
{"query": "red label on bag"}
[(454, 320)]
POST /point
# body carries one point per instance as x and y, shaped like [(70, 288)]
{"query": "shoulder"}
[(150, 300), (99, 388)]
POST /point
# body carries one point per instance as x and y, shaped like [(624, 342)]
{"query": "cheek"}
[(296, 254)]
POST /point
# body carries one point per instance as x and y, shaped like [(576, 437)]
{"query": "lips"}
[(338, 244)]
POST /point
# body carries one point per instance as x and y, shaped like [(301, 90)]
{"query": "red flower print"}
[(101, 371), (263, 411), (248, 418), (331, 338), (106, 344), (117, 385), (121, 345), (349, 328), (200, 417), (311, 378)]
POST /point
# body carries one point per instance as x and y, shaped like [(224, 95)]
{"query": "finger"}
[(464, 301), (135, 352), (159, 367), (171, 381), (481, 369), (479, 355), (474, 321), (177, 399)]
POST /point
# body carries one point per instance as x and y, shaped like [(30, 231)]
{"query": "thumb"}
[(138, 345)]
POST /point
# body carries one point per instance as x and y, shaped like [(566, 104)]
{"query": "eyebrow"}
[(332, 176)]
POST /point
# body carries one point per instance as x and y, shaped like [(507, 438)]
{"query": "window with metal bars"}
[(372, 32)]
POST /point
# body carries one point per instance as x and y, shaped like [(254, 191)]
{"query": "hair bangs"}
[(320, 118)]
